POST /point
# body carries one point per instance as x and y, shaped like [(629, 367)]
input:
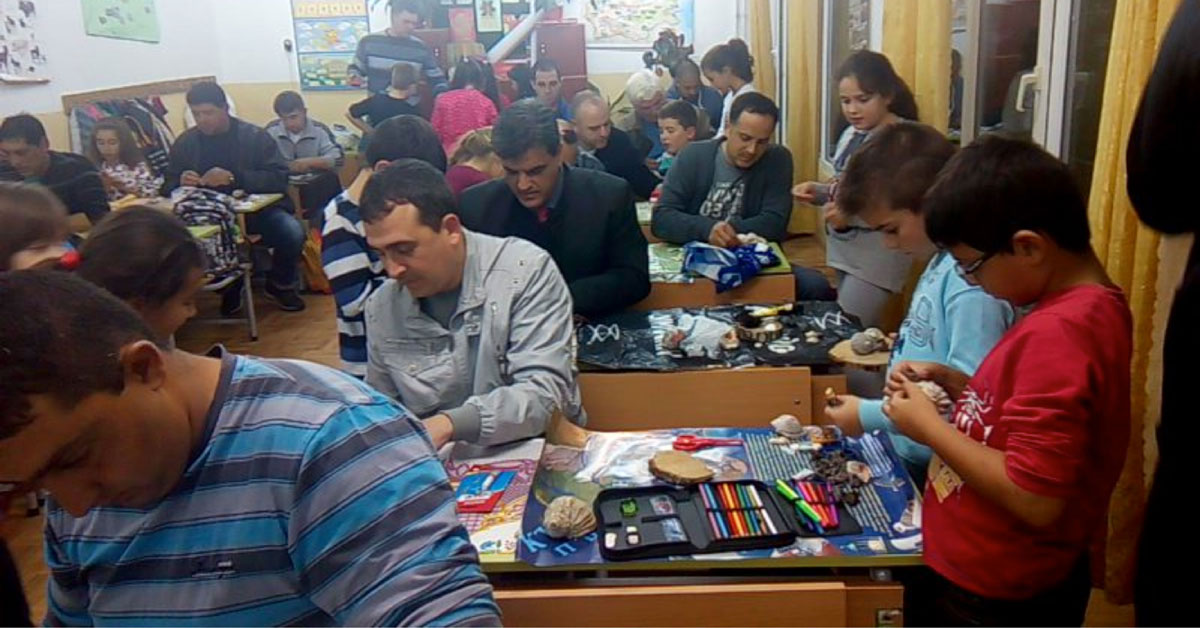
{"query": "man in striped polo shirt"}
[(219, 489), (378, 52)]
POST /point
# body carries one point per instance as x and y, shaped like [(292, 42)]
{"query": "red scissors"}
[(691, 442)]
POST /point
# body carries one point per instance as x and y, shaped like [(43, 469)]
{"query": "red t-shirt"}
[(1053, 395)]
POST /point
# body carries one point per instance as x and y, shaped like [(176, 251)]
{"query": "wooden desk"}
[(252, 205), (778, 589), (669, 289), (715, 398), (204, 232)]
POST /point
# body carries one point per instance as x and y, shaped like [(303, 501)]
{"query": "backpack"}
[(199, 207)]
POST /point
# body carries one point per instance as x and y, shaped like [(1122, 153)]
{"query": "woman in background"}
[(465, 107), (122, 166)]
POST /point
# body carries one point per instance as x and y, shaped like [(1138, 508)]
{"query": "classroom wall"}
[(247, 55)]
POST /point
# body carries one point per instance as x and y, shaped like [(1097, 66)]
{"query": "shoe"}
[(287, 300), (231, 299)]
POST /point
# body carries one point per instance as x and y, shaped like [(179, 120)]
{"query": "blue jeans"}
[(285, 236), (811, 285)]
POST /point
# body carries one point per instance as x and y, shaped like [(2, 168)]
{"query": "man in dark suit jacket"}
[(584, 218), (612, 146)]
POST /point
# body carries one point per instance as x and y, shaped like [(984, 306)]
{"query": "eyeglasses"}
[(973, 267)]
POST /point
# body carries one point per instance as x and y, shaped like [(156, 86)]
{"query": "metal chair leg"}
[(248, 296)]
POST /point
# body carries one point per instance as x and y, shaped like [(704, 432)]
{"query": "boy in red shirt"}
[(1019, 485)]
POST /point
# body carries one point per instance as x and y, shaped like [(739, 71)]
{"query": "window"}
[(846, 28), (1034, 69)]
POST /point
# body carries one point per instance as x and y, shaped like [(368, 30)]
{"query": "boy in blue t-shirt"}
[(949, 322)]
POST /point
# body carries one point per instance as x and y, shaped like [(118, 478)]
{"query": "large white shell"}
[(788, 425), (568, 517)]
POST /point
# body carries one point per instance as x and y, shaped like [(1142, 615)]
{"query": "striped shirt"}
[(354, 271), (378, 52), (313, 500)]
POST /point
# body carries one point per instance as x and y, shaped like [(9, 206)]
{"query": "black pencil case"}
[(679, 521)]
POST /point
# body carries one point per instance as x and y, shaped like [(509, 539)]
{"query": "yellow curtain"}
[(1130, 252), (803, 113), (761, 47), (916, 39)]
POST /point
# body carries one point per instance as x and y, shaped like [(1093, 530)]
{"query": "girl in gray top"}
[(872, 97)]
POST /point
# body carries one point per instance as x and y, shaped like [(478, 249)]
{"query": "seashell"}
[(787, 425), (730, 341), (859, 470), (803, 474), (864, 344), (568, 517), (938, 395), (875, 333), (782, 441)]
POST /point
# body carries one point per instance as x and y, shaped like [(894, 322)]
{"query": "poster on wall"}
[(487, 16), (121, 19), (636, 23), (327, 34), (22, 58)]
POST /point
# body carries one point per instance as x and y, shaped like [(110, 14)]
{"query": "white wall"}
[(251, 46), (78, 63), (238, 41)]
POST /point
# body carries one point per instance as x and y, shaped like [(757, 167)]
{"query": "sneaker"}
[(231, 299), (287, 300)]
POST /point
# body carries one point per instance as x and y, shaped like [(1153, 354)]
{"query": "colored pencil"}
[(770, 524), (755, 526), (753, 490), (712, 519), (706, 496)]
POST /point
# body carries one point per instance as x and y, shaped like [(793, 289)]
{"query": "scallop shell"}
[(864, 343), (568, 517)]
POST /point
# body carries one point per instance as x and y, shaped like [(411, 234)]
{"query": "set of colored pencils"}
[(736, 511), (814, 502)]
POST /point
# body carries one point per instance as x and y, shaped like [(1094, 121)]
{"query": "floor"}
[(311, 335)]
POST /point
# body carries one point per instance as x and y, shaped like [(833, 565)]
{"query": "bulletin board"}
[(136, 20), (327, 35)]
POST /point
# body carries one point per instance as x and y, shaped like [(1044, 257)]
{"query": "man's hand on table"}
[(440, 429), (723, 235), (216, 178), (190, 178)]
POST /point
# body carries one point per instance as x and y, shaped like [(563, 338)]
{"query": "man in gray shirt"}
[(472, 333), (735, 184)]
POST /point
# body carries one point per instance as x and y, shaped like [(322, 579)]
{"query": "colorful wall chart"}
[(636, 22), (327, 34), (121, 19)]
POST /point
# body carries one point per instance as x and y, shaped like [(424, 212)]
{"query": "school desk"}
[(837, 581), (671, 287)]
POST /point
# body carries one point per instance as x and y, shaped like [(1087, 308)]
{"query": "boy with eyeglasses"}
[(1020, 480)]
